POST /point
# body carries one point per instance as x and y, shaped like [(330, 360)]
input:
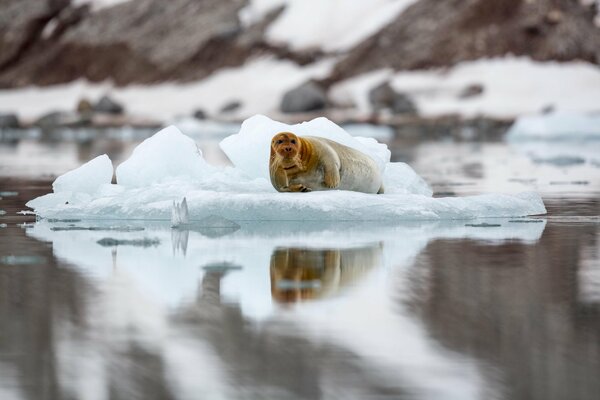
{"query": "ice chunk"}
[(87, 178), (179, 213), (249, 149), (557, 126), (167, 154), (400, 178)]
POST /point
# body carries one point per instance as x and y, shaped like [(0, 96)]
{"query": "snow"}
[(258, 85), (256, 10), (556, 126), (99, 4), (87, 178), (331, 25), (512, 86)]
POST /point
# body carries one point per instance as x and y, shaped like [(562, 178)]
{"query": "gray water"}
[(504, 309)]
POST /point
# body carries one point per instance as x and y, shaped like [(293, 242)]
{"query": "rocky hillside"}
[(241, 57), (45, 42)]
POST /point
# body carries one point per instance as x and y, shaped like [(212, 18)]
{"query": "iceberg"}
[(556, 126), (169, 167)]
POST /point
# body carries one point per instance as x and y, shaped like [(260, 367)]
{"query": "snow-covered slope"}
[(511, 86)]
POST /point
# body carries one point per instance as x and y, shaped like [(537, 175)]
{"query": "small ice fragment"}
[(3, 225), (2, 212), (9, 194), (180, 214), (145, 242), (483, 225), (526, 221), (26, 212), (221, 267), (98, 228)]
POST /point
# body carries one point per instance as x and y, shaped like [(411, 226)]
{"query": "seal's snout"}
[(288, 149)]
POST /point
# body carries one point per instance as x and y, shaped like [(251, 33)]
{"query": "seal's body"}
[(303, 164)]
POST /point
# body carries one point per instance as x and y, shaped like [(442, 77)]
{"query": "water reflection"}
[(523, 310), (299, 274), (498, 309), (141, 320)]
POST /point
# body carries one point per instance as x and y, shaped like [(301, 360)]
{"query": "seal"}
[(307, 163)]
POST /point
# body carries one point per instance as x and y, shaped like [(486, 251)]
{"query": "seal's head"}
[(286, 145)]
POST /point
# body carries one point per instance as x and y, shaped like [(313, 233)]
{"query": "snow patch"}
[(512, 86), (330, 25), (258, 85)]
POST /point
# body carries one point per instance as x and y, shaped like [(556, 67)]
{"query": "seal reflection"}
[(299, 274)]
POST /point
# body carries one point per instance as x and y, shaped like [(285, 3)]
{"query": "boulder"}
[(199, 114), (106, 105), (304, 98), (471, 91), (8, 120), (58, 119), (384, 97), (230, 107)]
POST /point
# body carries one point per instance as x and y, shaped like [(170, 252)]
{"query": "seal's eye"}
[(279, 141), (293, 141)]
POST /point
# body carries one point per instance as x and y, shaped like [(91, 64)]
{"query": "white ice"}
[(87, 178), (556, 126), (169, 166)]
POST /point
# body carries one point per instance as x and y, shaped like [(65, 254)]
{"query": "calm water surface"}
[(417, 310)]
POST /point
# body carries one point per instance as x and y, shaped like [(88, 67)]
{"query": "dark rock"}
[(230, 107), (9, 120), (21, 25), (384, 96), (107, 105), (57, 119), (142, 41), (306, 97), (471, 91), (84, 106), (548, 109), (199, 114)]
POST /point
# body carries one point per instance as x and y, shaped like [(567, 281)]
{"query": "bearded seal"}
[(307, 163)]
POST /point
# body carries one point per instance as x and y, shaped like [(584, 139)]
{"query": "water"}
[(504, 309)]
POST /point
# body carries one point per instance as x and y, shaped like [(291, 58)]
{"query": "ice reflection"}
[(199, 316)]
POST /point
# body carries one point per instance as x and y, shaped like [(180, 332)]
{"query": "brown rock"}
[(433, 33)]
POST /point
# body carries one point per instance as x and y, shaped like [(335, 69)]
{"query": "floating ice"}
[(169, 167), (557, 126), (166, 155), (87, 178)]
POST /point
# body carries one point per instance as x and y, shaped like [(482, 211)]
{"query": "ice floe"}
[(169, 167), (556, 126)]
